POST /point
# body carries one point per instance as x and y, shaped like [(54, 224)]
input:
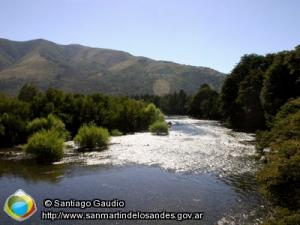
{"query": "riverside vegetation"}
[(261, 94), (42, 121), (90, 137)]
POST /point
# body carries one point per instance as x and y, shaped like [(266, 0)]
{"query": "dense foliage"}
[(281, 176), (91, 137), (204, 104), (262, 94), (159, 128), (171, 104), (51, 122), (13, 117), (283, 216), (46, 145), (258, 86), (34, 110)]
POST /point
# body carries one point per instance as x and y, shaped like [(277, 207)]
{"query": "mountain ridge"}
[(83, 69)]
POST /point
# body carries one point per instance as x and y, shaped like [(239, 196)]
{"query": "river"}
[(200, 166)]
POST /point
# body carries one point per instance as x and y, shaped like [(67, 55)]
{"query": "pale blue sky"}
[(212, 33)]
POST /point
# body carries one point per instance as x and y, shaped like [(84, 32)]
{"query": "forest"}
[(262, 95)]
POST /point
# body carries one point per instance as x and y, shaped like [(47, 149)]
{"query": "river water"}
[(199, 167)]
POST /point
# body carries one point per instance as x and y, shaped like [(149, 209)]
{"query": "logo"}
[(20, 206)]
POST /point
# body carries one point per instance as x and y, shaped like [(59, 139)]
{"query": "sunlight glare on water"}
[(191, 146)]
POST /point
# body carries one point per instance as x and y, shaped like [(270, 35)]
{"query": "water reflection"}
[(29, 170), (200, 165)]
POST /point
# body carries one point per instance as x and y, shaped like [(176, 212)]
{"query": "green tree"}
[(205, 103), (239, 99), (249, 101), (28, 92), (282, 82), (13, 117)]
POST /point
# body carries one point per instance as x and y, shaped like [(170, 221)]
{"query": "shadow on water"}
[(29, 170), (14, 163)]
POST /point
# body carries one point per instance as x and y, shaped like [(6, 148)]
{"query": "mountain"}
[(77, 68)]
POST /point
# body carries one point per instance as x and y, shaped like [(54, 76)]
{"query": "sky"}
[(210, 33)]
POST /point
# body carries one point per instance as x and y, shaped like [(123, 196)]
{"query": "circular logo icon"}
[(20, 206)]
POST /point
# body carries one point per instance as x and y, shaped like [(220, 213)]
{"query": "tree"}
[(28, 92), (240, 103), (282, 82), (13, 117), (205, 103), (249, 101)]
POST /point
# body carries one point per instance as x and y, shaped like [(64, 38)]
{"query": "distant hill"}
[(77, 68)]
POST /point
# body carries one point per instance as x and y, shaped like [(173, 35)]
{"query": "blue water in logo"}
[(19, 208)]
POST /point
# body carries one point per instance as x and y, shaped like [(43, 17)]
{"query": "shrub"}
[(116, 132), (57, 124), (285, 126), (91, 137), (159, 128), (37, 124), (153, 114), (50, 123), (290, 107), (280, 177), (46, 145), (262, 139), (283, 216)]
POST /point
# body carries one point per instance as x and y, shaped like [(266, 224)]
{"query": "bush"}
[(50, 123), (283, 216), (285, 126), (37, 124), (58, 125), (46, 145), (280, 177), (290, 107), (116, 132), (91, 137), (153, 114), (262, 139), (159, 128)]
